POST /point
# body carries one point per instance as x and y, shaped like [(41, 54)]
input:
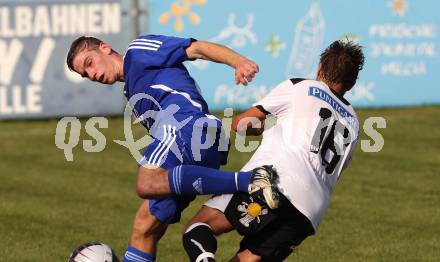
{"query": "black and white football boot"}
[(262, 185)]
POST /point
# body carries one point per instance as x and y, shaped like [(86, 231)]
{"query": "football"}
[(93, 252)]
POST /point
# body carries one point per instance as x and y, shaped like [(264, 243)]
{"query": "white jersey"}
[(312, 141)]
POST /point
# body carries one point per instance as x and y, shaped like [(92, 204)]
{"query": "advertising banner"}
[(34, 39), (400, 40)]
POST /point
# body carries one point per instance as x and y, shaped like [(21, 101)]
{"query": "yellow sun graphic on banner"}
[(180, 9), (399, 7)]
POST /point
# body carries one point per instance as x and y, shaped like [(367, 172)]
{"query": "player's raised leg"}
[(195, 180)]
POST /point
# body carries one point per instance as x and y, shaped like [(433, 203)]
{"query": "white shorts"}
[(219, 202)]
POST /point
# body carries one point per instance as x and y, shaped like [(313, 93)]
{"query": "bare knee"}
[(245, 256), (143, 231), (146, 227), (152, 182), (143, 225)]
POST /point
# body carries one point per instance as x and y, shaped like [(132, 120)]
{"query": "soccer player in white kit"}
[(311, 143)]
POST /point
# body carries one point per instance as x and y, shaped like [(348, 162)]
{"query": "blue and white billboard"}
[(34, 40), (286, 37)]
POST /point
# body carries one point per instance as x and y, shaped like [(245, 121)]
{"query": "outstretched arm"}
[(245, 69)]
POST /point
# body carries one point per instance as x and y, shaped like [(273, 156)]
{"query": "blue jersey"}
[(167, 101), (153, 67)]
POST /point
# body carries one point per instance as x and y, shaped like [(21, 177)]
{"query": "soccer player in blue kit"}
[(187, 139)]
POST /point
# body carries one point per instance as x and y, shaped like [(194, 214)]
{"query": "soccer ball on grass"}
[(93, 252)]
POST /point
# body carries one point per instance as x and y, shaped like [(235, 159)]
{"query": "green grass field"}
[(386, 207)]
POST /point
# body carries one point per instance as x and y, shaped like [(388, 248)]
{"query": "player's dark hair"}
[(341, 62), (81, 43)]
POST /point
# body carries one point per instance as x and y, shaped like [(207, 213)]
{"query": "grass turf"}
[(384, 208)]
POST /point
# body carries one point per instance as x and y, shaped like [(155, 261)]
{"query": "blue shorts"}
[(191, 145)]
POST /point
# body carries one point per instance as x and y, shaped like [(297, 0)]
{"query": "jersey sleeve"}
[(152, 51), (277, 100)]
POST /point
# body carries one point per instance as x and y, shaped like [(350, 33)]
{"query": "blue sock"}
[(135, 255), (197, 180)]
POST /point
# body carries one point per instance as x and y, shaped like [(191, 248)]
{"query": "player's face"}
[(97, 65)]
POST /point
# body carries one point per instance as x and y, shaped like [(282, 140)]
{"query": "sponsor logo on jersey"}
[(326, 97)]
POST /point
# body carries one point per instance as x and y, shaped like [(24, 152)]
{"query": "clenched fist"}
[(245, 71)]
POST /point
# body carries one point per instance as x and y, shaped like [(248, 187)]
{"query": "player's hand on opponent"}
[(245, 71)]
